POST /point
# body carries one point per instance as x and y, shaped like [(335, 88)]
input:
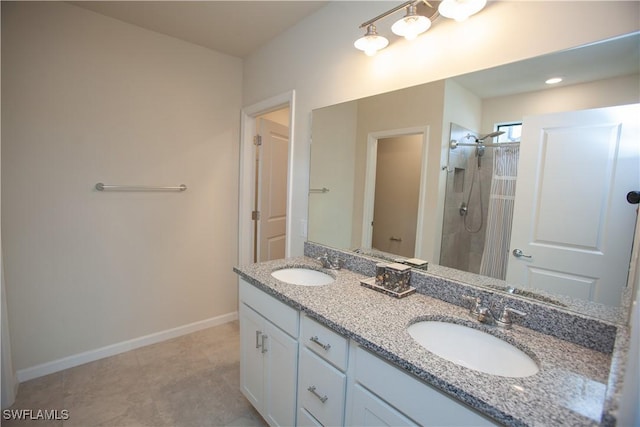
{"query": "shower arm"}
[(479, 143)]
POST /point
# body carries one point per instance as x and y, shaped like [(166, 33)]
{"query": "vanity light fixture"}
[(553, 80), (460, 10), (371, 42), (413, 23)]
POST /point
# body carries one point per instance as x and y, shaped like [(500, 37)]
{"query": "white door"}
[(571, 221), (272, 190)]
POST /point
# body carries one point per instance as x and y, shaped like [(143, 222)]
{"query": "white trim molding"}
[(121, 347), (247, 181), (370, 183)]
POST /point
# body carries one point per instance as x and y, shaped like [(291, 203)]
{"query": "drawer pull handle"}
[(312, 389), (264, 349), (258, 333), (316, 340)]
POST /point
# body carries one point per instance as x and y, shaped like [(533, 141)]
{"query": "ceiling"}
[(607, 59), (236, 28)]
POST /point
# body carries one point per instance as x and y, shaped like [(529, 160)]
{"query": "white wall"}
[(8, 383), (415, 107), (602, 93), (335, 141), (90, 99), (318, 60), (629, 411), (279, 116)]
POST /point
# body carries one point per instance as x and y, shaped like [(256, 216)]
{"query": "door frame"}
[(248, 116), (370, 182)]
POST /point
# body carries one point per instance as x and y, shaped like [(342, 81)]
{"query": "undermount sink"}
[(303, 276), (473, 349)]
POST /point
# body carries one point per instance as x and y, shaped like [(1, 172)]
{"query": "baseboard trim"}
[(47, 368)]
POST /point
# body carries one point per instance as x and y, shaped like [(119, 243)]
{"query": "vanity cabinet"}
[(381, 394), (322, 381), (268, 355), (329, 380)]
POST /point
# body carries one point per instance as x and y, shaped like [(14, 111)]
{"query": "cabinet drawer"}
[(305, 419), (326, 343), (422, 403), (368, 410), (279, 313), (321, 389)]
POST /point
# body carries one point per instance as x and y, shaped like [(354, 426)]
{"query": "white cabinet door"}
[(368, 410), (251, 356), (268, 368), (281, 372)]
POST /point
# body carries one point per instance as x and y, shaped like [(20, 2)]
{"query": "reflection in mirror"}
[(470, 176), (595, 76), (397, 191)]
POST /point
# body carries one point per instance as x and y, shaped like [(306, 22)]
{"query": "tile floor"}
[(190, 381)]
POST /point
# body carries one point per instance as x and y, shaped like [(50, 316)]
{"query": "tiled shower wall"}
[(461, 249)]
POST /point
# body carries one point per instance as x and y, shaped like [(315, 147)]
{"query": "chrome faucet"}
[(484, 315), (332, 263), (505, 321)]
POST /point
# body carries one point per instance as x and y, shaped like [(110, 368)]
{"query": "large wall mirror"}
[(421, 172)]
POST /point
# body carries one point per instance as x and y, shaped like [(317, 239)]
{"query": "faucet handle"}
[(475, 303), (505, 320), (324, 260), (330, 262), (336, 263)]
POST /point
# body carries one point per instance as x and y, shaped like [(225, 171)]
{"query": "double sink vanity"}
[(317, 348)]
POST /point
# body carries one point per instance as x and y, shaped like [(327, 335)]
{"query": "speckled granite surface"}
[(570, 389), (616, 315), (596, 331)]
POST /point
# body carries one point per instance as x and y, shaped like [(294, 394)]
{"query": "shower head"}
[(479, 139), (490, 135)]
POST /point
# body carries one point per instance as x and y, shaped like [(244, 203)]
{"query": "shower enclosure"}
[(478, 203)]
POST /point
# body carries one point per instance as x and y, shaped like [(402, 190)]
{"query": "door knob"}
[(519, 254)]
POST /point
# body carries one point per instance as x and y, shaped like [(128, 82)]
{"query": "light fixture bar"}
[(411, 25), (389, 12)]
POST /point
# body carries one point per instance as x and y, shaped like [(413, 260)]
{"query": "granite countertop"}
[(569, 389)]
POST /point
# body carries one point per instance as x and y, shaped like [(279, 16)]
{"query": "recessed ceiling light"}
[(553, 80)]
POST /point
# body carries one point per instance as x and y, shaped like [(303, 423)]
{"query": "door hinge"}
[(255, 215), (257, 140)]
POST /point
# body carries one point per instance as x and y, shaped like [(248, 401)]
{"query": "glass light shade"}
[(411, 26), (371, 42), (460, 9)]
